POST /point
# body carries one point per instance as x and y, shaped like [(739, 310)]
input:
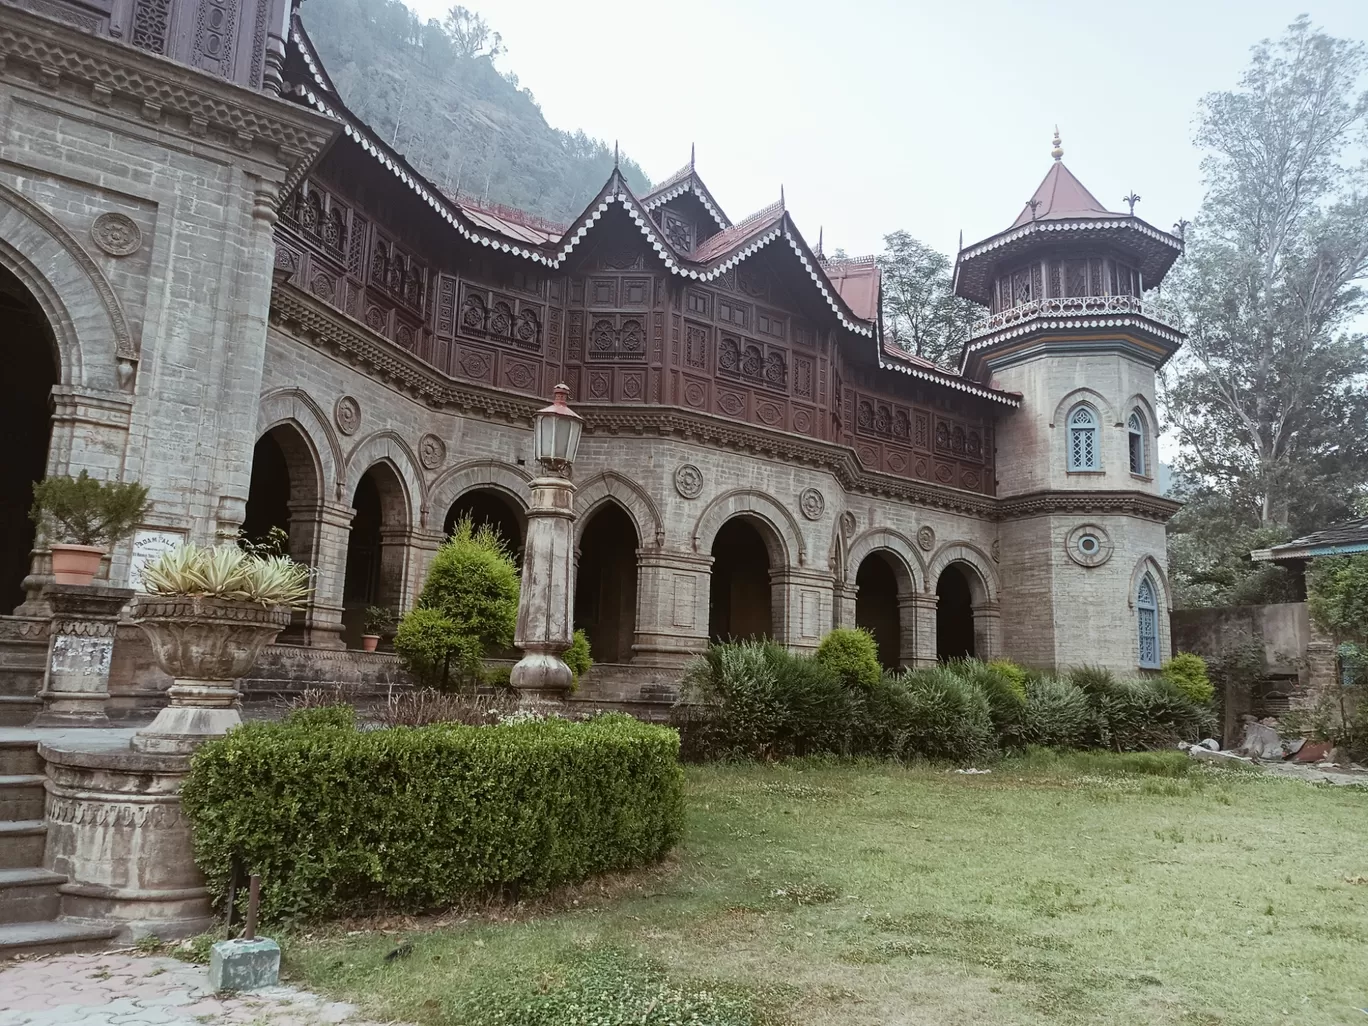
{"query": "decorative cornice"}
[(233, 116), (1073, 225), (1088, 503)]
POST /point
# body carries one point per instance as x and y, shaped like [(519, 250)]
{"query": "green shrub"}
[(1140, 715), (497, 677), (339, 820), (1016, 675), (1092, 680), (1006, 698), (379, 621), (1056, 714), (1188, 673), (755, 700), (473, 582), (431, 645), (84, 511), (933, 713), (852, 655), (577, 656), (340, 716)]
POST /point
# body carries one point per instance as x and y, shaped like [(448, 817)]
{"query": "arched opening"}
[(606, 584), (375, 549), (876, 607), (489, 506), (269, 494), (739, 601), (954, 615), (30, 355)]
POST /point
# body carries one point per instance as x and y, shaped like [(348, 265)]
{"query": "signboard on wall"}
[(148, 544)]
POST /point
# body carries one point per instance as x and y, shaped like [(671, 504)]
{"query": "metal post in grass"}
[(545, 613)]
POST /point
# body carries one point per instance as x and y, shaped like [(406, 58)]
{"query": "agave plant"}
[(227, 572)]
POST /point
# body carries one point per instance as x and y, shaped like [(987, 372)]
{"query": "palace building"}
[(218, 281)]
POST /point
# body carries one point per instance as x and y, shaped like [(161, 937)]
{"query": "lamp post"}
[(544, 602)]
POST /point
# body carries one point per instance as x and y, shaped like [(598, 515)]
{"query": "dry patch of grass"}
[(1057, 889)]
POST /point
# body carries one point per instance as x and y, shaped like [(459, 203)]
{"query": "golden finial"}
[(1058, 151)]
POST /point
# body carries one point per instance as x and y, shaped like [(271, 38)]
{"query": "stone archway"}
[(31, 368), (954, 615), (878, 608), (493, 507), (747, 552), (606, 582), (376, 548)]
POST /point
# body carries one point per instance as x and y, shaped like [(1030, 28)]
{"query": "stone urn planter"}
[(206, 644), (75, 564)]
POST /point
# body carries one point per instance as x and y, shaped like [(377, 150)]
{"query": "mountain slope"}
[(461, 122)]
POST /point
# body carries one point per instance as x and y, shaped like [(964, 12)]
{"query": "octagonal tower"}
[(1070, 328)]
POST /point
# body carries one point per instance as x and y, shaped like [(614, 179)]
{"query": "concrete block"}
[(239, 965)]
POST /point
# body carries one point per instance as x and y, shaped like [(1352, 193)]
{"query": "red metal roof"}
[(1059, 197), (738, 234), (856, 280)]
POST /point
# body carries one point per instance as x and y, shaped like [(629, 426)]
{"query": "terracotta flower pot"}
[(369, 642), (75, 564), (206, 644)]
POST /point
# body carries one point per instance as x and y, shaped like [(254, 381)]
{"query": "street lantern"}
[(556, 433)]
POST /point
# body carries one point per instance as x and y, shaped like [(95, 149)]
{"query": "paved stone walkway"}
[(125, 990)]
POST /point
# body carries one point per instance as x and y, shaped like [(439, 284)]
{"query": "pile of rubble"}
[(1263, 746)]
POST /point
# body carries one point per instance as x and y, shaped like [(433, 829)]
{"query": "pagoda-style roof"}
[(848, 288), (1345, 539), (1062, 212)]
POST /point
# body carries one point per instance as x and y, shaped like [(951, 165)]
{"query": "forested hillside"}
[(433, 92)]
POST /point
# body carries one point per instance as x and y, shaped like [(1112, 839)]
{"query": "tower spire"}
[(692, 149), (782, 206), (820, 230), (1058, 151), (615, 155)]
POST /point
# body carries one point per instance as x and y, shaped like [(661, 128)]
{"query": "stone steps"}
[(20, 757), (53, 938), (29, 895), (17, 710), (21, 843), (21, 796)]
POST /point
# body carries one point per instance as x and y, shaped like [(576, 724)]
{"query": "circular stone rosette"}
[(812, 503), (688, 481), (1088, 545), (116, 234), (431, 451), (926, 538), (347, 412)]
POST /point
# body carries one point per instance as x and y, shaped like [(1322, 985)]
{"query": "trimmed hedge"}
[(339, 820)]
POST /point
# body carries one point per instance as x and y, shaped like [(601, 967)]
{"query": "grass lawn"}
[(1076, 889)]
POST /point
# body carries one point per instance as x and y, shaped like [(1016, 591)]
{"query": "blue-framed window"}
[(1084, 451), (1147, 622), (1136, 432)]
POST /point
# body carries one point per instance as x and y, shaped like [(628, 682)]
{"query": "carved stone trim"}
[(1090, 503), (117, 234), (812, 503), (926, 538), (347, 413), (431, 451), (688, 481), (1088, 545)]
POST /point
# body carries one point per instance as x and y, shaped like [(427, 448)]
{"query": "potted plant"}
[(82, 518), (208, 613), (379, 623)]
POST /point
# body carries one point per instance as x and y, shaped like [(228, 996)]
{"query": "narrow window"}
[(1147, 618), (1083, 454), (1137, 443)]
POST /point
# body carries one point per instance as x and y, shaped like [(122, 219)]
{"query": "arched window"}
[(1083, 448), (1136, 426), (1147, 620)]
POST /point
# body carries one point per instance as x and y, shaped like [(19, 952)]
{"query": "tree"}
[(921, 312), (471, 35), (1267, 396)]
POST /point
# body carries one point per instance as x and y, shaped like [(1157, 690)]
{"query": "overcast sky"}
[(877, 115)]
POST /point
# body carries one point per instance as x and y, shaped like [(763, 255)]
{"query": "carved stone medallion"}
[(926, 538), (116, 234), (1088, 545), (348, 415), (848, 523), (689, 481), (812, 503), (431, 451), (996, 551)]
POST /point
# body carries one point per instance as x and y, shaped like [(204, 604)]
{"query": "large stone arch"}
[(610, 486), (297, 408), (784, 538), (1105, 410), (983, 583), (505, 478), (907, 563), (389, 447), (92, 331)]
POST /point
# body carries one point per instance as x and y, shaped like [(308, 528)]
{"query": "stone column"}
[(843, 603), (987, 630), (672, 606), (545, 605), (80, 649), (319, 532), (422, 547), (924, 615), (801, 603), (908, 606)]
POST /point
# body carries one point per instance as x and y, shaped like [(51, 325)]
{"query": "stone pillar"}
[(801, 603), (115, 830), (422, 547), (80, 650), (987, 630), (843, 604), (319, 532), (908, 606), (672, 606), (545, 605), (924, 616)]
